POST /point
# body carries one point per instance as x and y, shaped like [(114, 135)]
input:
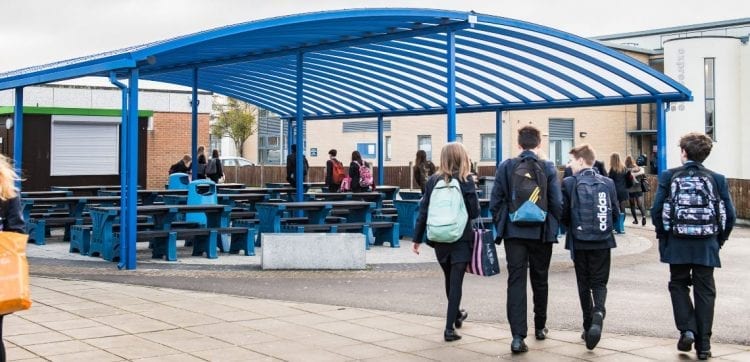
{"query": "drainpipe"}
[(123, 180)]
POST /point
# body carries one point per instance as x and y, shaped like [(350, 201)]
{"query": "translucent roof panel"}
[(366, 62)]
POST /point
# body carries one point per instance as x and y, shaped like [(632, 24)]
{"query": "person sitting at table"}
[(291, 166), (182, 165)]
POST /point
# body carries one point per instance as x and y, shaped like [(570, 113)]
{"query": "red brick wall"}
[(169, 140)]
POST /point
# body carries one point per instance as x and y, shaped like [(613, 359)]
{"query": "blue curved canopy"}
[(383, 61)]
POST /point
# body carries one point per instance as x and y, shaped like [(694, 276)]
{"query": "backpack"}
[(211, 168), (692, 209), (365, 175), (528, 193), (346, 184), (337, 172), (591, 208), (641, 160), (446, 215)]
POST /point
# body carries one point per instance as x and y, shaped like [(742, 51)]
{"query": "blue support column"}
[(299, 172), (498, 137), (289, 136), (18, 134), (451, 83), (129, 214), (381, 170), (661, 136), (194, 102)]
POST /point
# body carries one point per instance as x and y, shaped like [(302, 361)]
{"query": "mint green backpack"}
[(446, 215)]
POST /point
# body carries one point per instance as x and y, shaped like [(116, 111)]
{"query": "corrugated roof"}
[(383, 61)]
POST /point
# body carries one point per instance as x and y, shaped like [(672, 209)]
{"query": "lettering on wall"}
[(680, 77)]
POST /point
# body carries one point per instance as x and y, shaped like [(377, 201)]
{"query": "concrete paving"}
[(74, 320)]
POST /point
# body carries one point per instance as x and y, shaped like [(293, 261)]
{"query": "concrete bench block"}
[(313, 251)]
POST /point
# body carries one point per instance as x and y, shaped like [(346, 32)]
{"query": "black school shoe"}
[(541, 334), (703, 355), (518, 345), (595, 332), (685, 343), (450, 335), (462, 315)]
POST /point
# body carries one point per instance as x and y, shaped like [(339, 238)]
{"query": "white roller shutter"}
[(84, 145)]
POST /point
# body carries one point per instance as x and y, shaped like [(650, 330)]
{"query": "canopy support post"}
[(129, 208), (498, 137), (381, 170), (299, 175), (661, 136), (18, 134), (194, 102), (451, 83)]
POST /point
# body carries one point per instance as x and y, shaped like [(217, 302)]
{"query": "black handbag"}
[(645, 186)]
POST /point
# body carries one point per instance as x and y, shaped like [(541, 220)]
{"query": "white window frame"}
[(58, 168)]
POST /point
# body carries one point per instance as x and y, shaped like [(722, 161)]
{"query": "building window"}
[(710, 101), (488, 147), (560, 140), (388, 148), (367, 150), (424, 143)]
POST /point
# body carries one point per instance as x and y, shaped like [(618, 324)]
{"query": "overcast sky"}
[(36, 32)]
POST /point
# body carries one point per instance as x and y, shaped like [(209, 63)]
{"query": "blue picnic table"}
[(73, 208), (271, 214)]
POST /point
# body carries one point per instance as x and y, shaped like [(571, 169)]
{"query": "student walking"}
[(202, 162), (619, 175), (334, 172), (526, 205), (589, 211), (214, 171), (10, 215), (291, 167), (635, 192), (423, 169), (690, 236), (360, 174), (449, 204)]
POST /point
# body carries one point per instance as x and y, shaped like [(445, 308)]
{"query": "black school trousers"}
[(592, 274), (698, 318), (534, 256)]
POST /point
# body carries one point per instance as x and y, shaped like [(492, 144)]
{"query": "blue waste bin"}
[(178, 181), (205, 196)]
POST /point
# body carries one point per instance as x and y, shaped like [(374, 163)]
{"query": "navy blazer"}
[(12, 218), (676, 250), (500, 199)]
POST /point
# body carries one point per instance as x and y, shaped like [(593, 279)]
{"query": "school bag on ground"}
[(365, 175), (528, 193), (211, 167), (446, 214), (591, 208), (692, 209), (337, 172)]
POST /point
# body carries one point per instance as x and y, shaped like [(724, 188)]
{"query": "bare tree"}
[(236, 120)]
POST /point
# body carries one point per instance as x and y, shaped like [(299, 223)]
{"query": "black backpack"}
[(528, 193), (692, 209), (591, 208), (211, 168)]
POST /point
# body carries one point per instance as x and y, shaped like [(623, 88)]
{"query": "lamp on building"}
[(583, 134), (8, 123)]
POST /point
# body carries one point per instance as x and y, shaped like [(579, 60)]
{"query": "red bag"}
[(14, 273), (337, 172)]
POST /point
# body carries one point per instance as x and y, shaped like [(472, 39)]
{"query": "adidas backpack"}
[(692, 209), (446, 215), (591, 208), (528, 193)]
